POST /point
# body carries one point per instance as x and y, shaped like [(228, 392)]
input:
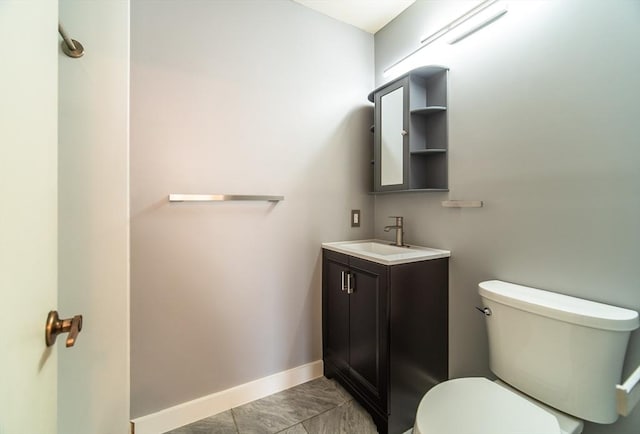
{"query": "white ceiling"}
[(368, 15)]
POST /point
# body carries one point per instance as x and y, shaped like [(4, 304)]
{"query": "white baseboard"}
[(189, 412)]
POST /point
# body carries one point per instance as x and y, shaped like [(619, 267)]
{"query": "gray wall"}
[(245, 97), (543, 125)]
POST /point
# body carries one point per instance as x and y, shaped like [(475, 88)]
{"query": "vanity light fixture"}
[(465, 25), (470, 22), (477, 22)]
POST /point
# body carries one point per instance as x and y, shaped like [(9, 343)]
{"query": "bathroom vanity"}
[(385, 325)]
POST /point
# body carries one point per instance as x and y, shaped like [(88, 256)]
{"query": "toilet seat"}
[(480, 406)]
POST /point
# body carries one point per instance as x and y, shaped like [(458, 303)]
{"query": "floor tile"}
[(296, 429), (288, 408), (219, 424), (343, 392), (348, 418)]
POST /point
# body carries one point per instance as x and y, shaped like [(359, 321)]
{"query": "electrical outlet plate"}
[(355, 218)]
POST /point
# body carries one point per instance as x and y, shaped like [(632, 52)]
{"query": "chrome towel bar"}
[(222, 197)]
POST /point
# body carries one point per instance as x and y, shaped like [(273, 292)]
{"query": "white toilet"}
[(560, 358)]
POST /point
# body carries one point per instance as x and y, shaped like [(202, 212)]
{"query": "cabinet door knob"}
[(404, 132)]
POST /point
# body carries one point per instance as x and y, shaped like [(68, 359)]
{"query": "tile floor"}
[(320, 406)]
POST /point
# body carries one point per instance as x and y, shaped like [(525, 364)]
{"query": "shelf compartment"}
[(430, 132), (429, 170), (428, 91)]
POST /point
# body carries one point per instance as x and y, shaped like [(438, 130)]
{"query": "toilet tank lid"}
[(560, 307)]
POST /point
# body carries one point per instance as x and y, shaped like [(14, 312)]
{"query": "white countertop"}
[(384, 252)]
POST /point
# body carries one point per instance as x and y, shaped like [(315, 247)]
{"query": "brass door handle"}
[(55, 326)]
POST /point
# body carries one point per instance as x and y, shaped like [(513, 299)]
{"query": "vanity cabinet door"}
[(369, 325), (335, 311)]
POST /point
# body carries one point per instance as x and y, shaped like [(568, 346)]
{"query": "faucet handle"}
[(398, 219)]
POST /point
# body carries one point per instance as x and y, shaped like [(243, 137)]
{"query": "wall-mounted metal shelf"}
[(462, 203), (223, 197)]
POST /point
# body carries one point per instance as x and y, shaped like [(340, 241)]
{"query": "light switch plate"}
[(355, 218)]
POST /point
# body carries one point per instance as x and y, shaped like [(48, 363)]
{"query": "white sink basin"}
[(384, 253), (375, 247)]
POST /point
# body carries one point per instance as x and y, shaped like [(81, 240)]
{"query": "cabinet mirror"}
[(391, 138)]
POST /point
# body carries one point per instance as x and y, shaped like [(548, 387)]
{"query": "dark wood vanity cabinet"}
[(385, 333)]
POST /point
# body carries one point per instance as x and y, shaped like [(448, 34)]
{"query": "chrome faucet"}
[(399, 230)]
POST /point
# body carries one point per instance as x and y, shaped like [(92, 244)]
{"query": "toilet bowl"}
[(477, 405), (559, 357)]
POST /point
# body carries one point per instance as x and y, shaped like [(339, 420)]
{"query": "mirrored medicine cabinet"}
[(410, 132)]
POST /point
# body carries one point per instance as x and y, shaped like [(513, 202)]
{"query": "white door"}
[(81, 390), (28, 214)]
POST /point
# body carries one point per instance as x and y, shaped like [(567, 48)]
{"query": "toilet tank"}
[(564, 351)]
